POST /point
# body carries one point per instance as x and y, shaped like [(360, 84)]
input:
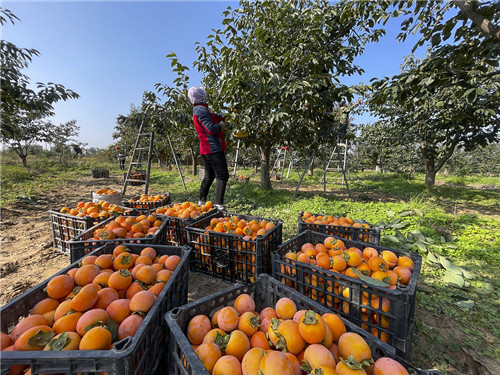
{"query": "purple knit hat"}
[(197, 95)]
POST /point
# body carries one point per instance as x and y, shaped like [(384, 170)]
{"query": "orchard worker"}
[(210, 129)]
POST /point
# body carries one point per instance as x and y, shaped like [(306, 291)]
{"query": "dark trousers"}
[(215, 166)]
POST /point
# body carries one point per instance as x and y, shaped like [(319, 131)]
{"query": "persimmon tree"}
[(24, 110), (276, 69), (450, 98)]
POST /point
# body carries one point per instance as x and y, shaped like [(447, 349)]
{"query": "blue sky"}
[(111, 52)]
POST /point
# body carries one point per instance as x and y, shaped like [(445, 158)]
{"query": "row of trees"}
[(25, 112), (276, 68)]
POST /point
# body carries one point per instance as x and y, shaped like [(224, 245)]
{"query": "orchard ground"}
[(456, 330)]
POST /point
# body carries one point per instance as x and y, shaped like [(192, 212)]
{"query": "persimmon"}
[(259, 340), (34, 338), (123, 260), (318, 355), (289, 337), (172, 262), (343, 369), (26, 324), (390, 258), (104, 297), (129, 326), (352, 344), (149, 251), (227, 365), (388, 366), (403, 273), (144, 259), (142, 302), (62, 309), (264, 325), (89, 259), (197, 328), (248, 323), (285, 308), (97, 338), (91, 318), (404, 261), (227, 319), (146, 274), (335, 324), (274, 362), (312, 327), (5, 341), (212, 335), (156, 289), (251, 361), (60, 286), (102, 279), (244, 303), (209, 354), (45, 305), (237, 345), (64, 341), (377, 264), (119, 309), (163, 276), (66, 323), (323, 370), (267, 311), (369, 252)]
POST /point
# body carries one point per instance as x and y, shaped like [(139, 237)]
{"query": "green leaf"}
[(406, 213), (393, 239), (432, 258), (453, 279), (390, 213), (60, 342), (400, 225), (421, 246), (112, 327), (369, 280), (40, 338), (467, 305)]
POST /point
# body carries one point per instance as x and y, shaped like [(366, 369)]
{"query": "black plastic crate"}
[(266, 291), (175, 230), (141, 354), (100, 173), (65, 227), (81, 245), (371, 235), (146, 206), (229, 256), (328, 288)]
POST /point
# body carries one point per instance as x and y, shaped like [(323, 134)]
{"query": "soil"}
[(27, 257)]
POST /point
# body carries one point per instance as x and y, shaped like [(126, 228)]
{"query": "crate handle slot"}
[(122, 344)]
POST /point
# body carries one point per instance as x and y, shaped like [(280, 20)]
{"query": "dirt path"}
[(27, 256)]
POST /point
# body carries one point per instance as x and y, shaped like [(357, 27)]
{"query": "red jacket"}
[(208, 128)]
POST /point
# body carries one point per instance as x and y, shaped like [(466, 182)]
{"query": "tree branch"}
[(448, 153), (484, 24)]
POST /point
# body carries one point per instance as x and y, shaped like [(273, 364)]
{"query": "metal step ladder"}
[(143, 149), (337, 163), (281, 154)]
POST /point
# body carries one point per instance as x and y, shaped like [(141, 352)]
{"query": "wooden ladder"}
[(143, 147)]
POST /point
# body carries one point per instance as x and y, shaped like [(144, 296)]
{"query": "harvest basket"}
[(228, 256), (139, 175), (266, 291), (175, 228), (243, 179), (65, 227), (111, 198), (146, 206), (371, 235), (327, 287), (100, 173), (141, 354), (81, 245)]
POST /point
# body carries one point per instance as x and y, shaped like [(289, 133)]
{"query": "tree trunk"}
[(194, 161), (430, 176), (310, 172), (23, 158), (256, 165), (265, 154)]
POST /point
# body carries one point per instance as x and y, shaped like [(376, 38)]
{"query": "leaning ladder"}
[(340, 150), (143, 147)]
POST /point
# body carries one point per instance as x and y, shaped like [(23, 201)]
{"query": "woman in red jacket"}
[(209, 127)]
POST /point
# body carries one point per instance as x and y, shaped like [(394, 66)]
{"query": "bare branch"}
[(484, 24)]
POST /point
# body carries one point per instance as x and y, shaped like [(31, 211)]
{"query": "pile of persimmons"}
[(128, 227), (281, 341), (90, 307), (148, 198), (185, 210), (101, 209), (107, 191), (234, 225), (332, 220)]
